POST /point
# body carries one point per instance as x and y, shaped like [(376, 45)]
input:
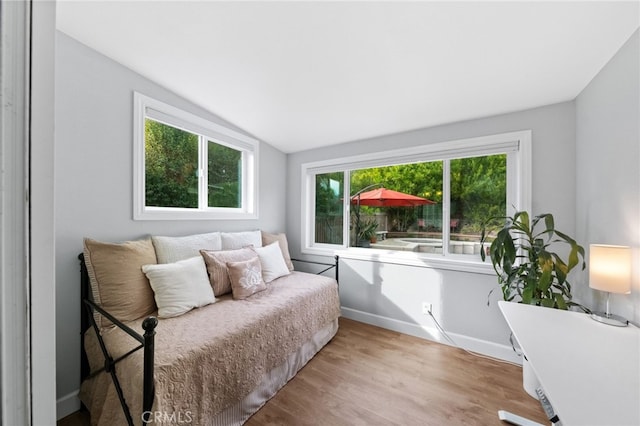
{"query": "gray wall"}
[(391, 295), (93, 184), (608, 171)]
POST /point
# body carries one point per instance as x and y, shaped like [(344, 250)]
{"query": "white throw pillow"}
[(268, 238), (237, 240), (272, 261), (179, 287), (172, 249)]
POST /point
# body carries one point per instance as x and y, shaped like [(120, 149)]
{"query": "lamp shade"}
[(610, 268)]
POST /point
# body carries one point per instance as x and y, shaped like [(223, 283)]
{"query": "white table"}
[(589, 371)]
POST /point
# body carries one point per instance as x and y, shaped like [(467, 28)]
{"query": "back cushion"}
[(173, 249), (216, 262), (236, 240), (118, 284)]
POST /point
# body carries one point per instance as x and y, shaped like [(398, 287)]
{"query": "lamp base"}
[(609, 319)]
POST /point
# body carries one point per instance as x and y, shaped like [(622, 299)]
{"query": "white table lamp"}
[(610, 271)]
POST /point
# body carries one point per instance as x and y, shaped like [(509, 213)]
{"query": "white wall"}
[(93, 185), (608, 166), (391, 295)]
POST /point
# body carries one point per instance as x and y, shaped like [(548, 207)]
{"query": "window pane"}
[(329, 208), (478, 191), (409, 219), (171, 166), (225, 176)]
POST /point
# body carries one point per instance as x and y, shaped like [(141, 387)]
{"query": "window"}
[(189, 168), (440, 196), (329, 208)]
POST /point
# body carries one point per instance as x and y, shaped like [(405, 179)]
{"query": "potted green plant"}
[(527, 268), (367, 232)]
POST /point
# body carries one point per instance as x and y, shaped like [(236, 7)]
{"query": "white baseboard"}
[(68, 404), (484, 347)]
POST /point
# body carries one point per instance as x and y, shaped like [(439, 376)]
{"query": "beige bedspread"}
[(213, 356)]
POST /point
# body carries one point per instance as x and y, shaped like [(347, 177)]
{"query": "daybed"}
[(216, 364)]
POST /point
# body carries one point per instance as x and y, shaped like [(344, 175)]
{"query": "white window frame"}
[(145, 107), (516, 145)]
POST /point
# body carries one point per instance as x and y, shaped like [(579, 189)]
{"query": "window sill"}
[(459, 263), (192, 214)]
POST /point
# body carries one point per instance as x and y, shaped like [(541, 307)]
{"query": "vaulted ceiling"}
[(300, 75)]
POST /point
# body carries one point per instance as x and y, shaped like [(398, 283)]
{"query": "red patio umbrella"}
[(383, 197)]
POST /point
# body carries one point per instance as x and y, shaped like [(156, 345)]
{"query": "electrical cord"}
[(453, 343)]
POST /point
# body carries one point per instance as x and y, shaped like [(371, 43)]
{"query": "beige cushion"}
[(236, 240), (179, 287), (268, 238), (246, 278), (272, 262), (172, 249), (118, 284), (216, 262)]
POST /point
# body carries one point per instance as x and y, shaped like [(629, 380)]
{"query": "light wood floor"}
[(371, 376)]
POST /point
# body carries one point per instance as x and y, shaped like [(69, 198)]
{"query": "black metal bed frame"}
[(147, 341)]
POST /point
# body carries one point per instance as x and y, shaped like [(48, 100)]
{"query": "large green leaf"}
[(545, 280), (560, 301), (548, 221), (573, 257), (548, 303), (561, 269), (521, 219)]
